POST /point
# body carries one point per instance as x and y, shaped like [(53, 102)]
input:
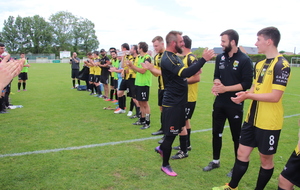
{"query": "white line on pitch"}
[(99, 145)]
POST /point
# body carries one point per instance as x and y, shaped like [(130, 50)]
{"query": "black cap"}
[(102, 50)]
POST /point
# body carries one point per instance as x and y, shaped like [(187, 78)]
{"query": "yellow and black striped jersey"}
[(269, 74), (157, 60), (188, 60)]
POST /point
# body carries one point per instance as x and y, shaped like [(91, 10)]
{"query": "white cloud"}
[(133, 21)]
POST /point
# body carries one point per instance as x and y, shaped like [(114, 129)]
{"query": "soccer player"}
[(175, 96), (90, 63), (114, 70), (124, 84), (130, 78), (264, 119), (113, 87), (97, 74), (75, 62), (104, 64), (233, 73), (290, 175), (184, 137), (155, 69), (143, 82), (23, 76)]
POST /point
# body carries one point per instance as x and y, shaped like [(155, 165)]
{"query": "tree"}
[(40, 33), (10, 35), (63, 29), (85, 38)]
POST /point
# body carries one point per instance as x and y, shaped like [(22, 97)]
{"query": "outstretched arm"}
[(9, 69)]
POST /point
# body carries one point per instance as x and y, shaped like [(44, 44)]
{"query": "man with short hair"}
[(233, 73), (188, 60), (130, 78), (155, 69), (143, 82), (113, 88), (97, 74), (75, 62), (93, 68), (264, 119), (124, 84), (115, 71), (104, 64), (175, 96), (23, 76)]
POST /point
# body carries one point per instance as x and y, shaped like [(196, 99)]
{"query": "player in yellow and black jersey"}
[(97, 74), (124, 84), (188, 60), (290, 175), (264, 119), (130, 78), (90, 63)]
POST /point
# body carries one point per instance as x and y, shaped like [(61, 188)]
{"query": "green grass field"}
[(66, 140)]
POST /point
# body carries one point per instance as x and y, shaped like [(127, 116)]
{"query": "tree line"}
[(63, 32)]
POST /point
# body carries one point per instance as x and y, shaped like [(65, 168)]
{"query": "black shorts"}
[(189, 110), (23, 76), (265, 140), (131, 88), (112, 80), (123, 85), (97, 78), (173, 119), (291, 170), (142, 93), (91, 77), (74, 73), (115, 84), (104, 78), (160, 96)]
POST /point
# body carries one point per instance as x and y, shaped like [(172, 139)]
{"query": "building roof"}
[(247, 50), (218, 50)]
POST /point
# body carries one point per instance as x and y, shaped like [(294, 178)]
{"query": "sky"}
[(132, 21)]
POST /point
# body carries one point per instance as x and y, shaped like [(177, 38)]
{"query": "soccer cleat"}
[(108, 100), (168, 170), (225, 187), (24, 90), (18, 90), (91, 93), (189, 148), (134, 116), (146, 126), (138, 122), (129, 114), (159, 132), (161, 140), (114, 101), (211, 166), (229, 174), (119, 110), (157, 149), (179, 155)]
